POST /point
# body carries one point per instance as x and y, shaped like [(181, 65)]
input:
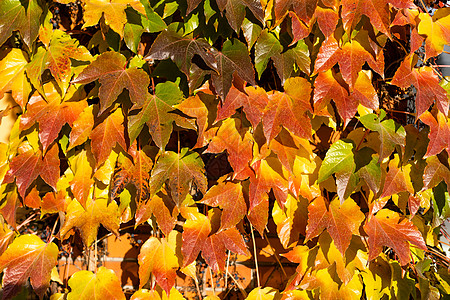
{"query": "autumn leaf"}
[(181, 49), (181, 170), (57, 58), (304, 9), (28, 165), (339, 159), (235, 11), (158, 258), (6, 237), (27, 254), (113, 12), (22, 16), (269, 175), (387, 228), (88, 221), (282, 111), (263, 293), (267, 46), (439, 133), (340, 220), (156, 113), (82, 166), (253, 101), (195, 107), (376, 10), (329, 88), (437, 30), (82, 127), (51, 116), (162, 207), (106, 135), (390, 133), (434, 173), (233, 59), (397, 179), (195, 232), (238, 143), (102, 285), (214, 253), (229, 197), (427, 84), (13, 76), (110, 68)]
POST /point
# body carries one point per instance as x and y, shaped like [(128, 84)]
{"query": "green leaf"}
[(338, 158), (267, 46), (233, 58), (390, 135), (20, 15), (156, 113), (182, 171)]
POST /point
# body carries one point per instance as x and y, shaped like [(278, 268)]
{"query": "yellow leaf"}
[(88, 221), (86, 285)]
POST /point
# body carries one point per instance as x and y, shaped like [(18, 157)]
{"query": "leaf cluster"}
[(215, 120)]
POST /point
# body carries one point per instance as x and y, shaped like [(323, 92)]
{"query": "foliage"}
[(126, 109)]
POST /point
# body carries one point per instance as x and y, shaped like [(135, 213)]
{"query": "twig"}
[(276, 256), (238, 285), (198, 289), (255, 253)]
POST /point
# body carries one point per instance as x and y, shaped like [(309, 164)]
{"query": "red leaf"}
[(397, 180), (328, 88), (253, 101), (376, 10), (110, 69), (214, 253), (106, 135), (51, 116), (387, 228), (439, 133), (427, 84)]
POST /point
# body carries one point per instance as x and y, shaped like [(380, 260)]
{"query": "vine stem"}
[(212, 281), (198, 289), (226, 273), (276, 256), (255, 254)]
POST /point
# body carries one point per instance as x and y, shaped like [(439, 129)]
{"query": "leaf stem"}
[(255, 254), (212, 281), (238, 285)]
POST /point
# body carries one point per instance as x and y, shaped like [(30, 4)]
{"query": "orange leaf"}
[(106, 135), (282, 110), (159, 258), (88, 221), (439, 133), (228, 196), (387, 228), (238, 142), (341, 221), (195, 232), (27, 254), (427, 84)]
